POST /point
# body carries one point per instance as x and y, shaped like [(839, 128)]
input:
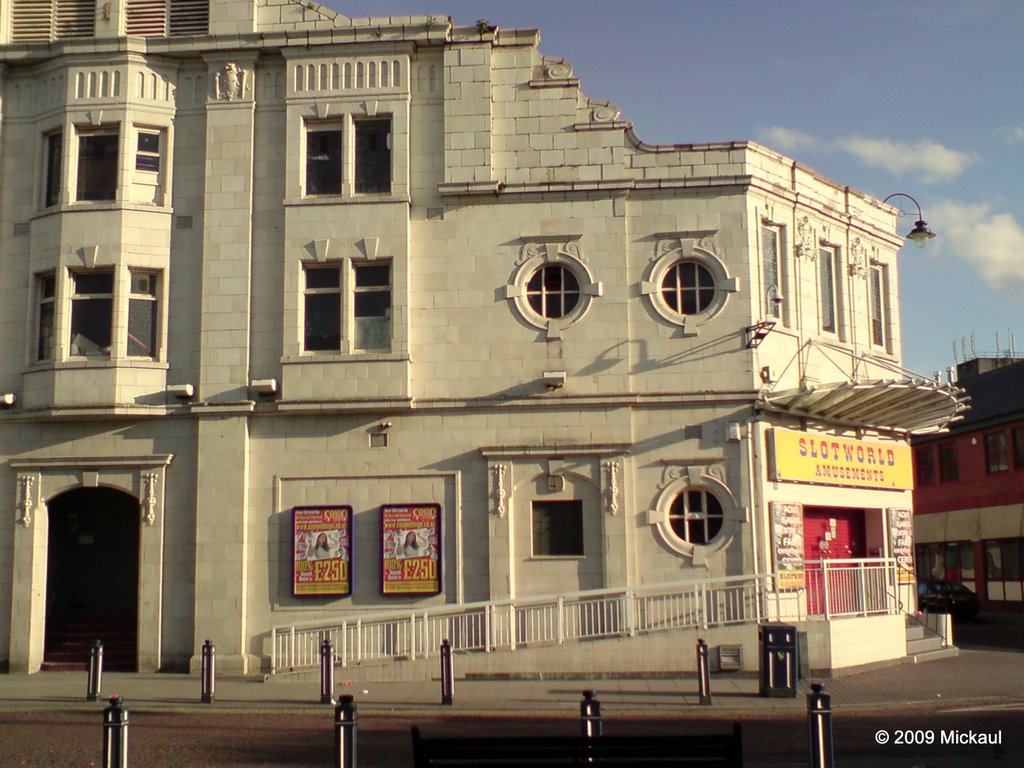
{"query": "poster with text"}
[(410, 549), (788, 529), (901, 543), (321, 551)]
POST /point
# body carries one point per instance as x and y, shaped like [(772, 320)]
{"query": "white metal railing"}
[(531, 621), (838, 588)]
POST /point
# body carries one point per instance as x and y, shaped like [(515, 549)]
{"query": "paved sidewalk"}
[(975, 678)]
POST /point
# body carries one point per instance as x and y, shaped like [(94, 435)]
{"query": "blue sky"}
[(922, 97)]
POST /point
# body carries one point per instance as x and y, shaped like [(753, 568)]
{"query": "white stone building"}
[(258, 256)]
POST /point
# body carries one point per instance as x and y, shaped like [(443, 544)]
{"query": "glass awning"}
[(910, 405)]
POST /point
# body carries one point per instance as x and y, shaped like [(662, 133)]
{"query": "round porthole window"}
[(553, 291), (696, 516), (688, 288)]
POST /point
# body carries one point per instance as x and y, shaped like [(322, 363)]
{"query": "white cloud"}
[(1014, 134), (791, 140), (991, 242), (927, 160)]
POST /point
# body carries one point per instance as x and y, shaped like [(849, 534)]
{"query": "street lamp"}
[(920, 234)]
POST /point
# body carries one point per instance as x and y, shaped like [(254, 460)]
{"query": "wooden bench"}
[(685, 751)]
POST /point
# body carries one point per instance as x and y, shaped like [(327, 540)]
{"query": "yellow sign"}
[(807, 457)]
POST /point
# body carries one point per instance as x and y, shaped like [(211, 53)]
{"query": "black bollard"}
[(703, 672), (95, 673), (819, 727), (590, 715), (447, 675), (345, 733), (115, 734), (327, 672), (208, 673)]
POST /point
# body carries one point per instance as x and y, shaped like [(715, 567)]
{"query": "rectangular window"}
[(97, 166), (92, 312), (558, 529), (47, 300), (322, 322), (372, 306), (147, 154), (877, 288), (373, 155), (925, 465), (54, 167), (772, 286), (323, 162), (142, 315), (1018, 447), (827, 275), (996, 457), (949, 470)]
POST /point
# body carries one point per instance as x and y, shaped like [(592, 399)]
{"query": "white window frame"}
[(85, 132), (773, 271), (332, 126), (696, 478), (685, 252), (879, 306), (829, 295), (347, 291)]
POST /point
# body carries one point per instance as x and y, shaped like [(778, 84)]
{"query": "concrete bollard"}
[(819, 727), (345, 733), (115, 734), (447, 674), (590, 715), (703, 673), (326, 672), (207, 676), (94, 675)]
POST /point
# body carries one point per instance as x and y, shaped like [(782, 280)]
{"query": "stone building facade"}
[(258, 256)]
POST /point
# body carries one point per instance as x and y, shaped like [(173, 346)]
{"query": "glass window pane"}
[(558, 528), (143, 283), (372, 275), (45, 350), (372, 303), (94, 283), (372, 333), (90, 326), (142, 320), (323, 321), (373, 156), (993, 560), (323, 277), (966, 561), (323, 162), (54, 152), (1011, 560), (97, 167), (149, 142)]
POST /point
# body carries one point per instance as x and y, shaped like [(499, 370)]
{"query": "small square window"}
[(147, 156), (997, 458), (558, 529)]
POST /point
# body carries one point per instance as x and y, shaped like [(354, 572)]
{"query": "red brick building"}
[(969, 489)]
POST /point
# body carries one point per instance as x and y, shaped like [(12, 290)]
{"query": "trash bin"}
[(779, 660)]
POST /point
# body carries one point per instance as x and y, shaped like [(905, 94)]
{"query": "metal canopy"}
[(910, 405)]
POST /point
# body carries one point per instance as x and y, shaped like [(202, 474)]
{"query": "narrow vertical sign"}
[(901, 543), (410, 549), (321, 551), (788, 533)]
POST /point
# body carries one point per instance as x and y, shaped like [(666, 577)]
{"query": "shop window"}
[(949, 468), (1004, 571), (323, 160), (54, 168), (696, 516), (688, 288), (147, 154), (997, 458), (373, 155), (97, 165), (47, 287), (878, 289), (770, 255), (1018, 447), (557, 528), (372, 306), (553, 291), (143, 315), (322, 322), (92, 313), (827, 284), (925, 465), (951, 561)]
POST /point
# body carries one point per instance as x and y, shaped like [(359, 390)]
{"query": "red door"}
[(831, 534)]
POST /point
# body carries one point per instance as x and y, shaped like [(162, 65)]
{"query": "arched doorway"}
[(92, 578)]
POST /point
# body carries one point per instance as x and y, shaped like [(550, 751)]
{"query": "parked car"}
[(939, 596)]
